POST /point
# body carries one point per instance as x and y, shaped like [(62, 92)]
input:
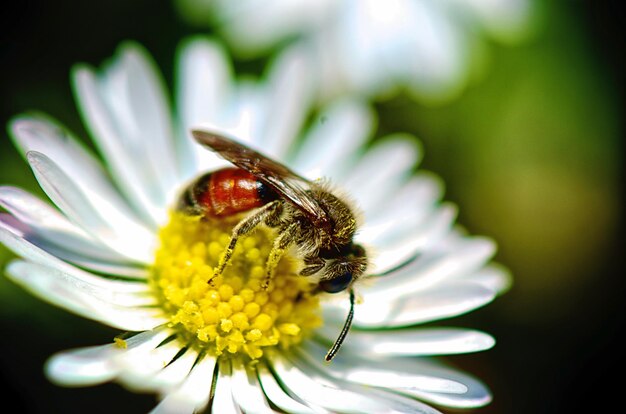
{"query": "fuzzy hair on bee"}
[(330, 248), (307, 216)]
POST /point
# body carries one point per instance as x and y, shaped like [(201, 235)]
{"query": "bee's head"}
[(343, 269)]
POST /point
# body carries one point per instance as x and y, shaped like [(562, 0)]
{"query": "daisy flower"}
[(112, 248), (369, 46)]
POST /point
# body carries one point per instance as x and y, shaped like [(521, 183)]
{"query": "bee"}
[(305, 214)]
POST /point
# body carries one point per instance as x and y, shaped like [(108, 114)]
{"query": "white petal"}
[(386, 397), (87, 300), (139, 368), (289, 89), (381, 171), (379, 45), (48, 224), (159, 368), (506, 20), (138, 100), (385, 373), (147, 341), (432, 267), (107, 268), (477, 394), (445, 301), (437, 53), (245, 117), (223, 400), (24, 240), (397, 403), (409, 342), (173, 374), (317, 391), (253, 29), (107, 224), (193, 394), (493, 276), (389, 255), (94, 365), (147, 364), (204, 85), (459, 389), (246, 389), (334, 140), (41, 134), (83, 367), (120, 292), (83, 251), (409, 207), (125, 159), (13, 238), (276, 394)]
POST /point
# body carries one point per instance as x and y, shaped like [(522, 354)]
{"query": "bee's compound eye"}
[(337, 284)]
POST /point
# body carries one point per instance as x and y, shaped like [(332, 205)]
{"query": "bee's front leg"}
[(312, 265), (281, 243), (242, 228)]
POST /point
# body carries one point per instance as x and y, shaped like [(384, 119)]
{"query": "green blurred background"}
[(531, 153)]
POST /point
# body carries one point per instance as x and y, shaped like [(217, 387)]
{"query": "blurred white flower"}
[(370, 47), (107, 252)]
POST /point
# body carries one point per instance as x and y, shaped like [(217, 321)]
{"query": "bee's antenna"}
[(344, 332)]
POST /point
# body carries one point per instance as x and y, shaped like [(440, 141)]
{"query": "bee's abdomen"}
[(225, 192)]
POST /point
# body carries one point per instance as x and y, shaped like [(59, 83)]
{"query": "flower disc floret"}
[(233, 314)]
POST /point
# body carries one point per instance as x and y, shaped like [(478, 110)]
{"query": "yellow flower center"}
[(233, 314)]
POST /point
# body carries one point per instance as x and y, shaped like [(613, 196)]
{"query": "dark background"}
[(558, 347)]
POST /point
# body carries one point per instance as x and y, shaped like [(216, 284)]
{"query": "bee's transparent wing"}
[(290, 185)]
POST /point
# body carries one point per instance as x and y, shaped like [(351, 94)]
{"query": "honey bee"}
[(305, 214)]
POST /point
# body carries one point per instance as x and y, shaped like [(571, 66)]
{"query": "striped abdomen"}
[(225, 192)]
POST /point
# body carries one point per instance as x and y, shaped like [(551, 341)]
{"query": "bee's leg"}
[(274, 217), (312, 265), (242, 228), (281, 242)]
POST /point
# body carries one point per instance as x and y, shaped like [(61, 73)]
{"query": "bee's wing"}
[(291, 186)]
